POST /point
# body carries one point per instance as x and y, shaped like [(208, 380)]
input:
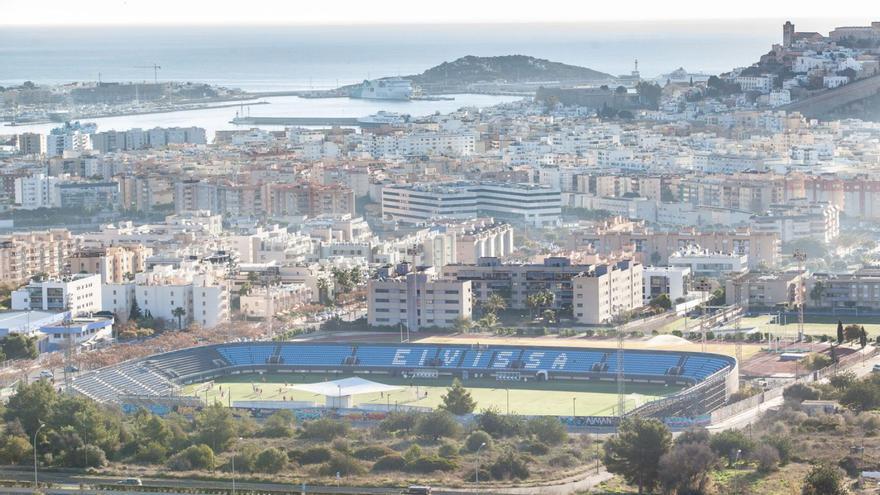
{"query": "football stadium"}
[(565, 382)]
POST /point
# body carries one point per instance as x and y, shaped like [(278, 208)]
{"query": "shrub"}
[(436, 425), (86, 456), (341, 445), (509, 465), (800, 392), (448, 450), (342, 464), (15, 450), (548, 429), (279, 424), (390, 462), (151, 453), (477, 438), (193, 457), (498, 425), (429, 464), (766, 457), (564, 461), (783, 446), (270, 461), (324, 429), (372, 452), (730, 442), (315, 455), (399, 421), (536, 448)]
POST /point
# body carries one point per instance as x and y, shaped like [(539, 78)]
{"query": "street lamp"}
[(574, 406), (477, 471), (36, 480)]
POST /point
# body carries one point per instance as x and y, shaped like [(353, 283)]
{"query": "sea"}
[(277, 58)]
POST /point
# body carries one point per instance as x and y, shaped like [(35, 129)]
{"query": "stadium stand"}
[(160, 375)]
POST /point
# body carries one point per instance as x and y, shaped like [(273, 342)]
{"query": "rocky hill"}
[(508, 69)]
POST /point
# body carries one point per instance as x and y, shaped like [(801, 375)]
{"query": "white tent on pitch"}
[(338, 393)]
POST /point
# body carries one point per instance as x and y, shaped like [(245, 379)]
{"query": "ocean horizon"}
[(271, 58)]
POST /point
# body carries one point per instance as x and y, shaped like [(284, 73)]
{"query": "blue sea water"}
[(301, 57), (267, 58)]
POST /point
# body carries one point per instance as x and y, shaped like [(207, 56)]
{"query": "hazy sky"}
[(60, 12)]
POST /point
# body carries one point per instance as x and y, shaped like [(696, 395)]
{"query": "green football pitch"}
[(558, 398)]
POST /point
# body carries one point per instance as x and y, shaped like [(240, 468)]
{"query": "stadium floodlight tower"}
[(737, 322), (621, 398), (801, 257)]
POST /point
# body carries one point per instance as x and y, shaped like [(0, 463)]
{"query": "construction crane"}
[(155, 70)]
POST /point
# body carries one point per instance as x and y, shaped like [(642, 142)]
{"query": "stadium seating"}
[(700, 367), (158, 375), (396, 356), (315, 355)]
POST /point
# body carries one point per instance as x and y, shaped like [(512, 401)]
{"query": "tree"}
[(19, 346), (436, 425), (852, 332), (495, 303), (193, 457), (686, 468), (732, 444), (15, 449), (458, 400), (636, 451), (661, 302), (216, 427), (549, 316), (864, 395), (839, 332), (816, 292), (488, 322), (179, 313), (32, 404), (823, 479), (135, 313), (323, 291), (463, 324)]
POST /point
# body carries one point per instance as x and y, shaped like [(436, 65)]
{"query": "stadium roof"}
[(345, 387)]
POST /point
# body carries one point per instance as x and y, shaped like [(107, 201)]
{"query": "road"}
[(565, 486)]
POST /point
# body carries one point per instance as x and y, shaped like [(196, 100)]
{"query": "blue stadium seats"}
[(314, 355), (396, 356), (160, 374)]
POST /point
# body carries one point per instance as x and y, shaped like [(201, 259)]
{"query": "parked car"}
[(47, 375), (130, 482)]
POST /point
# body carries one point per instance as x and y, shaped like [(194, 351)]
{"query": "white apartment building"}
[(418, 300), (57, 144), (800, 221), (24, 254), (607, 291), (80, 294), (263, 301), (274, 243), (703, 263), (533, 204), (670, 280), (36, 191), (203, 297), (762, 84)]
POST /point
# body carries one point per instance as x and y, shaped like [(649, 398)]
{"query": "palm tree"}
[(495, 303), (179, 313)]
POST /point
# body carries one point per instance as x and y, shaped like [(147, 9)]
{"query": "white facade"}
[(669, 280), (606, 292), (418, 300), (703, 263), (79, 294), (536, 205), (36, 191)]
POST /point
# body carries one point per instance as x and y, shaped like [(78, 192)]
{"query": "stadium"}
[(260, 374)]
